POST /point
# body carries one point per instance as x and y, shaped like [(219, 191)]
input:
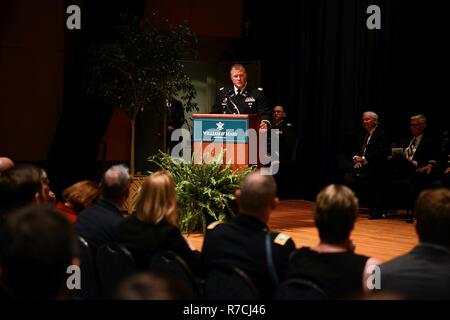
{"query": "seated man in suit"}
[(446, 160), (99, 223), (242, 241), (419, 156), (443, 163), (424, 272), (371, 150)]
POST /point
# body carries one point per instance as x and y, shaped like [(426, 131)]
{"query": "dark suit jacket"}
[(426, 150), (378, 149), (423, 273), (241, 242), (98, 224), (144, 239), (175, 114)]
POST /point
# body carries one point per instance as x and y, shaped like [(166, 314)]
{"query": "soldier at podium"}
[(241, 98)]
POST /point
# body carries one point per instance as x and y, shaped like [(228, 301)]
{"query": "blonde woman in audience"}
[(332, 264), (154, 226)]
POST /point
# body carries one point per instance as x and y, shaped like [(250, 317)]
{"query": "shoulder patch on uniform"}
[(213, 225), (221, 88), (281, 239), (260, 89)]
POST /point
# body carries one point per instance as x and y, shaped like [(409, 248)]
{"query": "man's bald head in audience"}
[(5, 164), (257, 195)]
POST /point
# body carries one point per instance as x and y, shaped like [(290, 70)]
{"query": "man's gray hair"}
[(421, 117), (257, 192), (115, 182), (372, 114)]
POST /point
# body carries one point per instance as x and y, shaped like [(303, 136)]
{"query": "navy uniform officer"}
[(242, 240), (240, 98)]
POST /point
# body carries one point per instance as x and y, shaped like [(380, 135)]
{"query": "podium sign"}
[(220, 130), (230, 134)]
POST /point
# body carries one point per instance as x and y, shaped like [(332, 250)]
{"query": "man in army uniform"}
[(242, 241), (240, 98), (287, 141)]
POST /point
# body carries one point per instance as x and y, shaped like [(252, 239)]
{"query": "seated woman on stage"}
[(154, 225), (332, 264)]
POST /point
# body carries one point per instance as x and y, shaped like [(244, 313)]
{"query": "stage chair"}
[(114, 263), (169, 262), (299, 289), (228, 282), (89, 279), (399, 194)]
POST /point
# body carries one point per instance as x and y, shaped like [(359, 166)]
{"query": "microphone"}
[(229, 96)]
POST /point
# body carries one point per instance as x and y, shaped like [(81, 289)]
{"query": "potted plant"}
[(140, 69), (205, 192)]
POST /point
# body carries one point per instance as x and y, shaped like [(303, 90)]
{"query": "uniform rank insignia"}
[(213, 225), (260, 89), (281, 239), (250, 99), (221, 88)]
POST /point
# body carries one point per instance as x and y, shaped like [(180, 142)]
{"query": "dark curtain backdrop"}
[(73, 156), (319, 59)]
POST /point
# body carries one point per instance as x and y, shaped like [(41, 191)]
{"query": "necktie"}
[(410, 149), (238, 92), (364, 146)]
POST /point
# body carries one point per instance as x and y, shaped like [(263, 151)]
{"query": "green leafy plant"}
[(141, 67), (204, 191)]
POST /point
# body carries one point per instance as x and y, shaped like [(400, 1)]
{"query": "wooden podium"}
[(227, 133)]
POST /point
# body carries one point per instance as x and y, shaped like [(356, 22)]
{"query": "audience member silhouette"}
[(20, 186), (152, 286), (242, 241), (5, 164), (424, 272), (332, 263), (78, 197), (38, 246), (99, 223), (154, 226)]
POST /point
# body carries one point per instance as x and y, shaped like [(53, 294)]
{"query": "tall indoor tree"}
[(141, 67)]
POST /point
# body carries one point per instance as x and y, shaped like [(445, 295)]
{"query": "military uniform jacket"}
[(241, 242), (248, 102), (287, 138)]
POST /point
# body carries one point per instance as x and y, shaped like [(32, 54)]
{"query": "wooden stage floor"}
[(383, 239)]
